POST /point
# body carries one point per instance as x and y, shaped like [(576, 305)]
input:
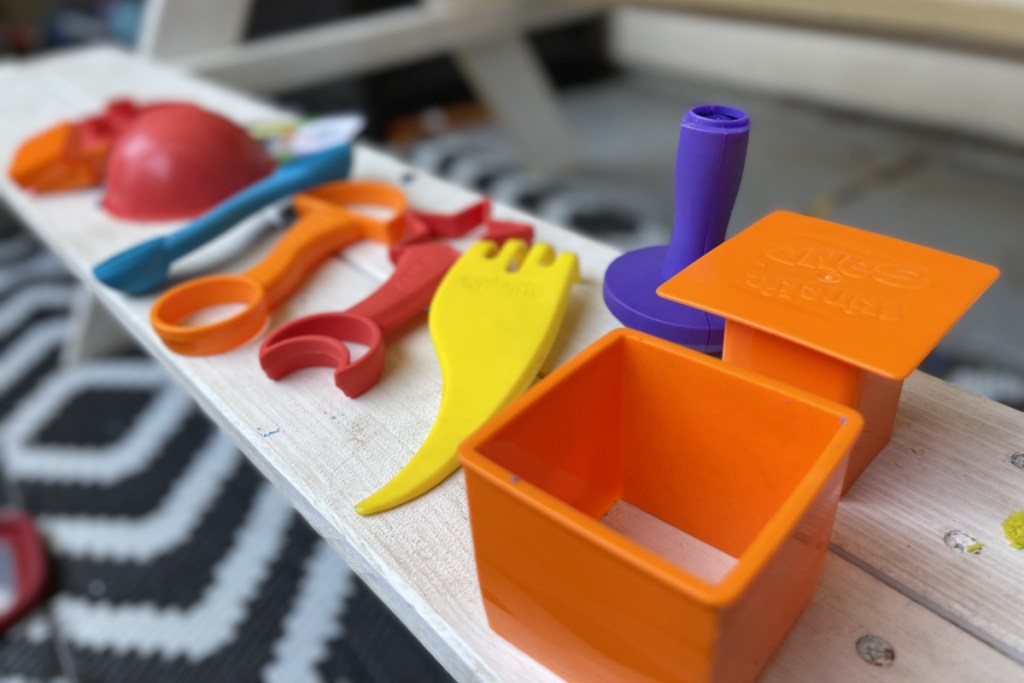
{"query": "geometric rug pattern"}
[(173, 559)]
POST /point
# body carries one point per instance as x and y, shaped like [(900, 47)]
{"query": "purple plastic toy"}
[(709, 166)]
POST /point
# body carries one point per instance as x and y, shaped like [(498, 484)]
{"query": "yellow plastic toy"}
[(493, 321)]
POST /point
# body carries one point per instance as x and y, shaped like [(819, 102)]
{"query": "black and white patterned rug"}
[(173, 559)]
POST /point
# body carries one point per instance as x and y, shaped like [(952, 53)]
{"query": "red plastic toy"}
[(179, 160), (319, 340), (30, 566)]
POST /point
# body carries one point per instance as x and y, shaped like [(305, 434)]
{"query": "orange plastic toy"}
[(326, 226), (840, 312), (73, 155), (648, 513)]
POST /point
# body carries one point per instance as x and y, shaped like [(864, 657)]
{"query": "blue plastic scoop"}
[(144, 267)]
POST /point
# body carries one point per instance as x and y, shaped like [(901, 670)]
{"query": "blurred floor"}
[(173, 559), (925, 186)]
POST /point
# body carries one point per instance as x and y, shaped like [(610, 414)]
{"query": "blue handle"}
[(295, 176)]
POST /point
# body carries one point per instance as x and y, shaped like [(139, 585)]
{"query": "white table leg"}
[(500, 66), (507, 76), (92, 331)]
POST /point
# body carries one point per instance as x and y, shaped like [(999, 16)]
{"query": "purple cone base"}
[(630, 292)]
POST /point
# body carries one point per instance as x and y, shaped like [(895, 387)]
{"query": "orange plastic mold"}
[(60, 158), (840, 312), (647, 513)]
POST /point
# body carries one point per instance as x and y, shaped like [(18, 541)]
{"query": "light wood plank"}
[(91, 77), (850, 604), (947, 468), (325, 451)]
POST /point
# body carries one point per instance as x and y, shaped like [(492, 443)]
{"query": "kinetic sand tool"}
[(163, 161), (840, 312), (709, 166), (326, 225), (319, 340), (493, 321), (73, 154), (144, 267), (647, 513), (422, 226)]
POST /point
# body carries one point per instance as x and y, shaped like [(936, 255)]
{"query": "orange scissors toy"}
[(326, 225)]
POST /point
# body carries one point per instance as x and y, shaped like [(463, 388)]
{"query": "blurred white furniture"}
[(486, 37), (915, 60), (950, 64)]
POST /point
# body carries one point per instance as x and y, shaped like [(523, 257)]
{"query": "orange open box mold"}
[(840, 312), (650, 513)]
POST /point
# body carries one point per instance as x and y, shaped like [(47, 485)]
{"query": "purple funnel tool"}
[(709, 166)]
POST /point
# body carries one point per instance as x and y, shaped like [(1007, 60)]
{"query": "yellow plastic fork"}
[(493, 321)]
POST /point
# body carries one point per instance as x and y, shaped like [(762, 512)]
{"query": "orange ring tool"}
[(319, 340), (840, 312), (326, 226)]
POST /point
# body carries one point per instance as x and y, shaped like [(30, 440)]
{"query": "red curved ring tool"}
[(319, 340)]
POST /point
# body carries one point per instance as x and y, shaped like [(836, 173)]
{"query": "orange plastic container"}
[(843, 313), (647, 513)]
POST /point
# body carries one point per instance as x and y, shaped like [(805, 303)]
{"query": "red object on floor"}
[(422, 226), (456, 224), (31, 567)]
